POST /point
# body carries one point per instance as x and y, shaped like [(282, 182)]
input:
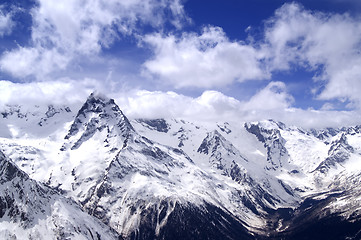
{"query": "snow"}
[(38, 212), (100, 161), (304, 153)]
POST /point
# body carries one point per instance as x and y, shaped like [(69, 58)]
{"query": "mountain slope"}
[(177, 179), (292, 157), (29, 210), (335, 214), (122, 177), (34, 121)]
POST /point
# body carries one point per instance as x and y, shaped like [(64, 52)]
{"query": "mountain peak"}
[(340, 151), (222, 153), (98, 114), (96, 102), (210, 142)]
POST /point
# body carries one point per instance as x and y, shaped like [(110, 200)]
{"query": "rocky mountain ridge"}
[(150, 178)]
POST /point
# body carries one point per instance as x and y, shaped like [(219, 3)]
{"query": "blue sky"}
[(236, 16), (296, 61)]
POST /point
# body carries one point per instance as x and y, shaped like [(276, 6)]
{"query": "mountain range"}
[(89, 172)]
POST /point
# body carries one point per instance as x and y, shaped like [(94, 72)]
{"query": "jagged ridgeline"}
[(89, 172)]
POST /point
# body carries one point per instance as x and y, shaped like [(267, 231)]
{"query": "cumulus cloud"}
[(273, 96), (38, 61), (6, 22), (65, 30), (214, 106), (210, 106), (203, 60), (147, 104), (327, 44), (61, 91)]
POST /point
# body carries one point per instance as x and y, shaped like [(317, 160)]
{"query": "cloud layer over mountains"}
[(154, 66)]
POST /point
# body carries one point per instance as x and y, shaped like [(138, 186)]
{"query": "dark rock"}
[(159, 124)]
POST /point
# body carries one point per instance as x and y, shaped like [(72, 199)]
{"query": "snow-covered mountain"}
[(31, 210), (176, 179), (308, 177)]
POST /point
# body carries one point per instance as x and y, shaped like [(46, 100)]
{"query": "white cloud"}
[(38, 61), (206, 60), (328, 44), (273, 96), (211, 106), (66, 30), (327, 106), (61, 91), (147, 104), (6, 22), (272, 102)]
